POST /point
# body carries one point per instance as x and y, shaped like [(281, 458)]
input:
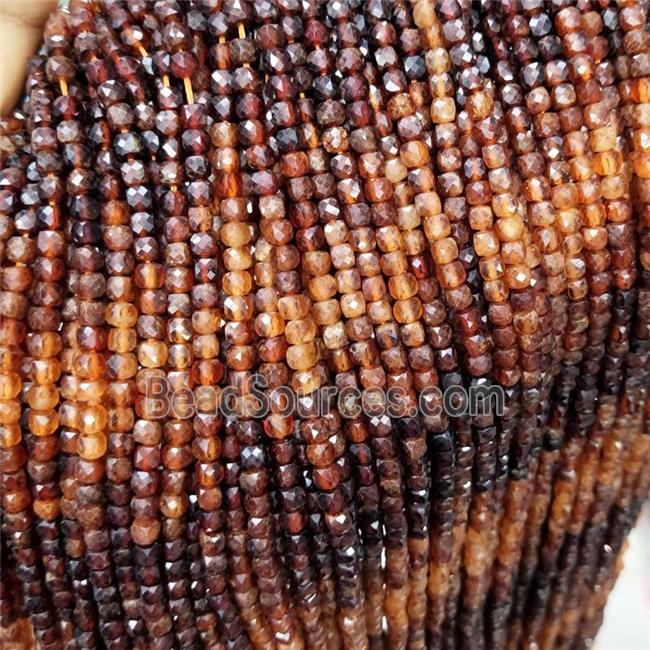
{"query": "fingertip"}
[(22, 29)]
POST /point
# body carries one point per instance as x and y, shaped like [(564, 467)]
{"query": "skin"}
[(21, 29)]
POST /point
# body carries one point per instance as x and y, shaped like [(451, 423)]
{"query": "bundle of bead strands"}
[(247, 250)]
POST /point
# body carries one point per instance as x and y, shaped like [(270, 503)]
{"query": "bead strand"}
[(601, 137), (120, 316), (346, 227), (448, 228), (207, 369), (177, 454), (444, 251), (368, 292), (540, 100), (138, 174), (410, 363), (607, 478), (547, 125), (621, 517), (287, 112), (14, 623), (449, 161), (40, 391), (234, 83), (259, 181), (325, 444), (633, 67), (20, 249), (620, 341), (88, 367), (335, 327), (414, 291), (510, 320), (340, 320), (537, 191), (608, 164), (610, 381), (17, 248)]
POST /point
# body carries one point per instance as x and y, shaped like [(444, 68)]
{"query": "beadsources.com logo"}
[(254, 398)]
